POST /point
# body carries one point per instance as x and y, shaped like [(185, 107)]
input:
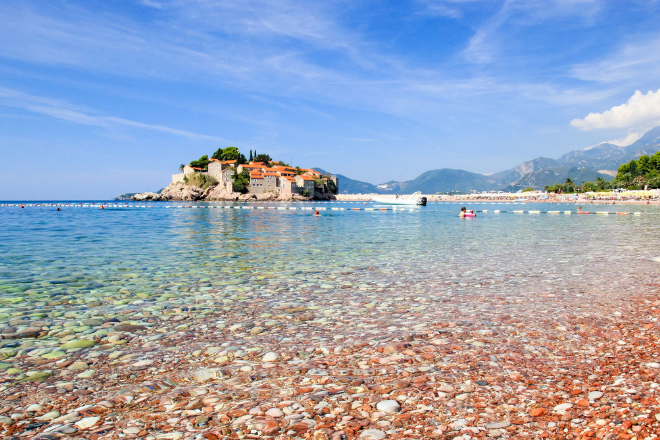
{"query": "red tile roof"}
[(197, 169), (306, 177), (271, 174), (256, 175)]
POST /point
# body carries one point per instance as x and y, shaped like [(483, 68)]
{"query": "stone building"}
[(305, 182)]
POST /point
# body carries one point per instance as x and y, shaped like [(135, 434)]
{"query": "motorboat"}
[(401, 199)]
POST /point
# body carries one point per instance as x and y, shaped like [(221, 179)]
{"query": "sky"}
[(101, 98)]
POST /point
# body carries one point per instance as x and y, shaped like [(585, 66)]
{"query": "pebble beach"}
[(393, 325)]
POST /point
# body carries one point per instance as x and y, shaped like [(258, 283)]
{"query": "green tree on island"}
[(263, 158), (241, 182), (202, 162), (229, 153)]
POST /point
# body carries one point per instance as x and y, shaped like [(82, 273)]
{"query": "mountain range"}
[(601, 160)]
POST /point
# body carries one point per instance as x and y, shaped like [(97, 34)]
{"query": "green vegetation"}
[(332, 187), (241, 182), (635, 174), (200, 180), (202, 162), (528, 189), (306, 193), (230, 153), (263, 158)]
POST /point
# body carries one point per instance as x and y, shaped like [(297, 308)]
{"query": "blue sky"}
[(99, 98)]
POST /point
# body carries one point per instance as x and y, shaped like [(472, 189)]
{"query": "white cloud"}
[(641, 111), (626, 140)]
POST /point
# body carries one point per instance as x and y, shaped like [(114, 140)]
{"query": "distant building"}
[(223, 171), (279, 178), (287, 186), (187, 170), (305, 182)]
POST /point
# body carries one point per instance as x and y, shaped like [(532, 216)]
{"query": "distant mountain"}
[(126, 196), (601, 160), (447, 179), (647, 144), (602, 157), (349, 186), (540, 178), (505, 178)]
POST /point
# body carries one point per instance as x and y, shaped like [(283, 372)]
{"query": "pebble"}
[(87, 422), (595, 395), (372, 434), (270, 357), (78, 344), (561, 408), (388, 406), (275, 412)]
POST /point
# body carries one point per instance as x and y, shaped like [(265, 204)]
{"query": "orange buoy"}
[(316, 213), (22, 205), (102, 207)]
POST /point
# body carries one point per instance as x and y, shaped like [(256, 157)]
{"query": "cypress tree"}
[(251, 157)]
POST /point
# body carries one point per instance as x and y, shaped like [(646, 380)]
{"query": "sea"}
[(130, 256)]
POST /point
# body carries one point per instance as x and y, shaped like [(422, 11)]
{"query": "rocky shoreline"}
[(182, 192), (286, 369)]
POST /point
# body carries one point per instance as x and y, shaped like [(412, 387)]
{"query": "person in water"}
[(462, 213)]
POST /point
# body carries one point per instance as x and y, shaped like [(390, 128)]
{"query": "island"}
[(228, 176)]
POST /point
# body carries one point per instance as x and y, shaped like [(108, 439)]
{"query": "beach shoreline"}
[(511, 198)]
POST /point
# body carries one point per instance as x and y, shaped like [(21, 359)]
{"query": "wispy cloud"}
[(494, 35), (447, 8), (77, 115), (634, 61)]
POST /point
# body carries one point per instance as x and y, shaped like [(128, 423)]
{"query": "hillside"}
[(580, 165), (540, 178), (445, 180), (349, 186)]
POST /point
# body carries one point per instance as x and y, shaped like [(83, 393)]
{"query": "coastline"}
[(253, 344), (509, 198)]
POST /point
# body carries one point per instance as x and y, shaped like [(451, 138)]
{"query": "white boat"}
[(400, 199)]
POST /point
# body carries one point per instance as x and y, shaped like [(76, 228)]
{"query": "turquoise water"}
[(103, 262)]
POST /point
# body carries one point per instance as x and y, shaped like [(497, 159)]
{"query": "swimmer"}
[(462, 213)]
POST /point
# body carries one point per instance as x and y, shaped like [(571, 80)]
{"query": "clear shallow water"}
[(103, 262)]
